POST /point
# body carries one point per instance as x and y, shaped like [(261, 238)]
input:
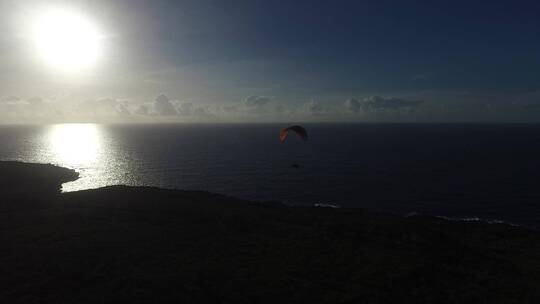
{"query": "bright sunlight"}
[(75, 145), (66, 40)]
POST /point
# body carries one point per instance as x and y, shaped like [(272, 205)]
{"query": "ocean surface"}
[(465, 171)]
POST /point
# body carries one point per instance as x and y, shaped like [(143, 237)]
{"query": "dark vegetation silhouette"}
[(147, 245)]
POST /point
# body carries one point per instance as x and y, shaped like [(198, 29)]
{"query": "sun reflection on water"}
[(80, 147), (75, 145)]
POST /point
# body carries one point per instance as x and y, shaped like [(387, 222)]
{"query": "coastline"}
[(144, 244)]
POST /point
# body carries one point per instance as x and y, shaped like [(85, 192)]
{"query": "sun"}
[(66, 41)]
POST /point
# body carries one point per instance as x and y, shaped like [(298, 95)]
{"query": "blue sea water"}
[(484, 171)]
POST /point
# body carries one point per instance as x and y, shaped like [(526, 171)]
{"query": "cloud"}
[(106, 103), (353, 105), (186, 109), (249, 109), (189, 110), (313, 108), (378, 104), (230, 109), (35, 101), (254, 106), (257, 101), (203, 112), (12, 99), (164, 107), (29, 109), (142, 110), (122, 109), (101, 108)]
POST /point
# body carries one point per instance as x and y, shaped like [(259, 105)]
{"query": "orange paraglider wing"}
[(301, 131), (283, 134)]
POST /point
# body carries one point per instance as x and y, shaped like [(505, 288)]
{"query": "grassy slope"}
[(147, 245)]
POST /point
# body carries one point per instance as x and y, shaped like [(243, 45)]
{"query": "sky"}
[(266, 61)]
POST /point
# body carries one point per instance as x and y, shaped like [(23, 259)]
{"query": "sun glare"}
[(75, 145), (66, 40)]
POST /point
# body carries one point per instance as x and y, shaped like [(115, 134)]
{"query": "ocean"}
[(461, 171)]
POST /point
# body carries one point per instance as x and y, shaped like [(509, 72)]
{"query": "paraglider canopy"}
[(297, 129)]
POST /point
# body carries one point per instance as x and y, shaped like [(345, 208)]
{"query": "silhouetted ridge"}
[(24, 179), (147, 245)]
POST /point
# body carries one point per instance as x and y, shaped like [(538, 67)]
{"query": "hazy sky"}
[(256, 60)]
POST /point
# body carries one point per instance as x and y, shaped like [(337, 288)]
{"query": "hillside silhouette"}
[(149, 245)]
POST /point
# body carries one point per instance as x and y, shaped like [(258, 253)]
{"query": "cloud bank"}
[(260, 108)]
